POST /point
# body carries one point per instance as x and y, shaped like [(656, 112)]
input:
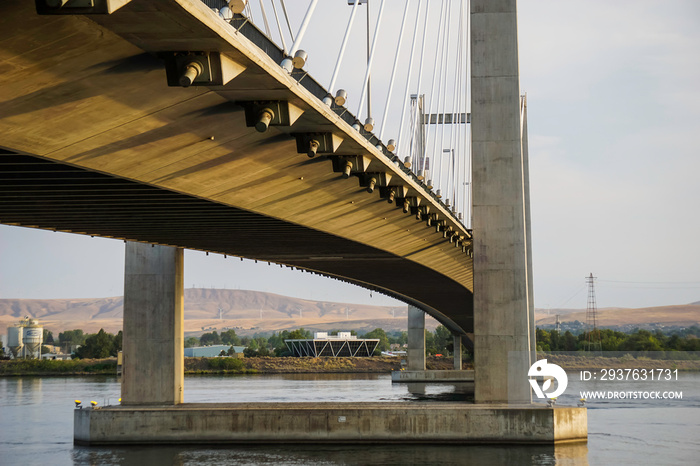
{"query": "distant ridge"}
[(242, 310), (680, 315), (203, 307)]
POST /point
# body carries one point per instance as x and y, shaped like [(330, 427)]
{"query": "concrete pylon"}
[(416, 339), (501, 302), (153, 342), (457, 350)]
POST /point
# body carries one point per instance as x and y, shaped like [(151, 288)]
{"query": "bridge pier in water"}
[(457, 351), (416, 372), (153, 341), (502, 286), (416, 339)]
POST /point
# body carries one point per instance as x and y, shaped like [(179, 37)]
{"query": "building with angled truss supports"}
[(342, 345)]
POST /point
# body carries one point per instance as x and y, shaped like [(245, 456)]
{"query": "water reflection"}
[(337, 454), (37, 425)]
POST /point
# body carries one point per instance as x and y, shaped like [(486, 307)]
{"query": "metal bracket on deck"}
[(186, 69), (317, 143), (370, 181), (350, 164), (264, 113)]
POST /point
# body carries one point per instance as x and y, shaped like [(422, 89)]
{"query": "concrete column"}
[(416, 339), (457, 339), (501, 314), (153, 371)]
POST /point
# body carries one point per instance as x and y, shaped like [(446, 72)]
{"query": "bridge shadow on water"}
[(399, 454)]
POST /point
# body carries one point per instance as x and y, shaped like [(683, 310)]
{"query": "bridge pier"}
[(501, 281), (416, 339), (457, 352), (153, 342)]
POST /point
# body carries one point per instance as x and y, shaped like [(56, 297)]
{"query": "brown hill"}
[(682, 315), (252, 312), (209, 309)]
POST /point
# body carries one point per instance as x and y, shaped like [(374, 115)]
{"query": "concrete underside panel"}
[(457, 423)]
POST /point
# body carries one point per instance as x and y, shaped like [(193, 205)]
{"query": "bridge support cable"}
[(393, 70), (288, 62), (365, 83), (439, 48), (264, 15), (279, 28), (432, 83), (286, 17), (408, 78), (454, 130), (420, 72), (341, 53), (442, 94), (468, 128)]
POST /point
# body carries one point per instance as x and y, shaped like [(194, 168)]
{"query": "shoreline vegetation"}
[(221, 365), (291, 365)]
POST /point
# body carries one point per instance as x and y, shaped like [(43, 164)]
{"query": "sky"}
[(613, 114)]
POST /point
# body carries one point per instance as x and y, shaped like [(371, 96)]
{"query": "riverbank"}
[(52, 367), (583, 361), (262, 365), (274, 365)]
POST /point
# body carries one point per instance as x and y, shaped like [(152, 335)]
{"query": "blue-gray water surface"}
[(36, 427)]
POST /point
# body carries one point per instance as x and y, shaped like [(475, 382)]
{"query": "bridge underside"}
[(97, 143), (43, 194)]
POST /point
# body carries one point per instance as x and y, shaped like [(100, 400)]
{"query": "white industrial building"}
[(344, 344)]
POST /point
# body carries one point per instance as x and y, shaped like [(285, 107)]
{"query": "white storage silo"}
[(32, 337), (14, 340)]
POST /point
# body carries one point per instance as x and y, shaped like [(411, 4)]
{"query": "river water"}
[(36, 424)]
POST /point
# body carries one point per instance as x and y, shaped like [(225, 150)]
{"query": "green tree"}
[(117, 343), (641, 340), (48, 337), (98, 346), (555, 341), (229, 337), (254, 345), (383, 339), (208, 339), (397, 337), (444, 342), (430, 347), (72, 337), (191, 342), (542, 337), (570, 342), (299, 334)]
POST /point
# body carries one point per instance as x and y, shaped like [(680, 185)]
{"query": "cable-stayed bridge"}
[(182, 124)]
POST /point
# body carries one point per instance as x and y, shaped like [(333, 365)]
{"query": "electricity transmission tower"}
[(593, 337)]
